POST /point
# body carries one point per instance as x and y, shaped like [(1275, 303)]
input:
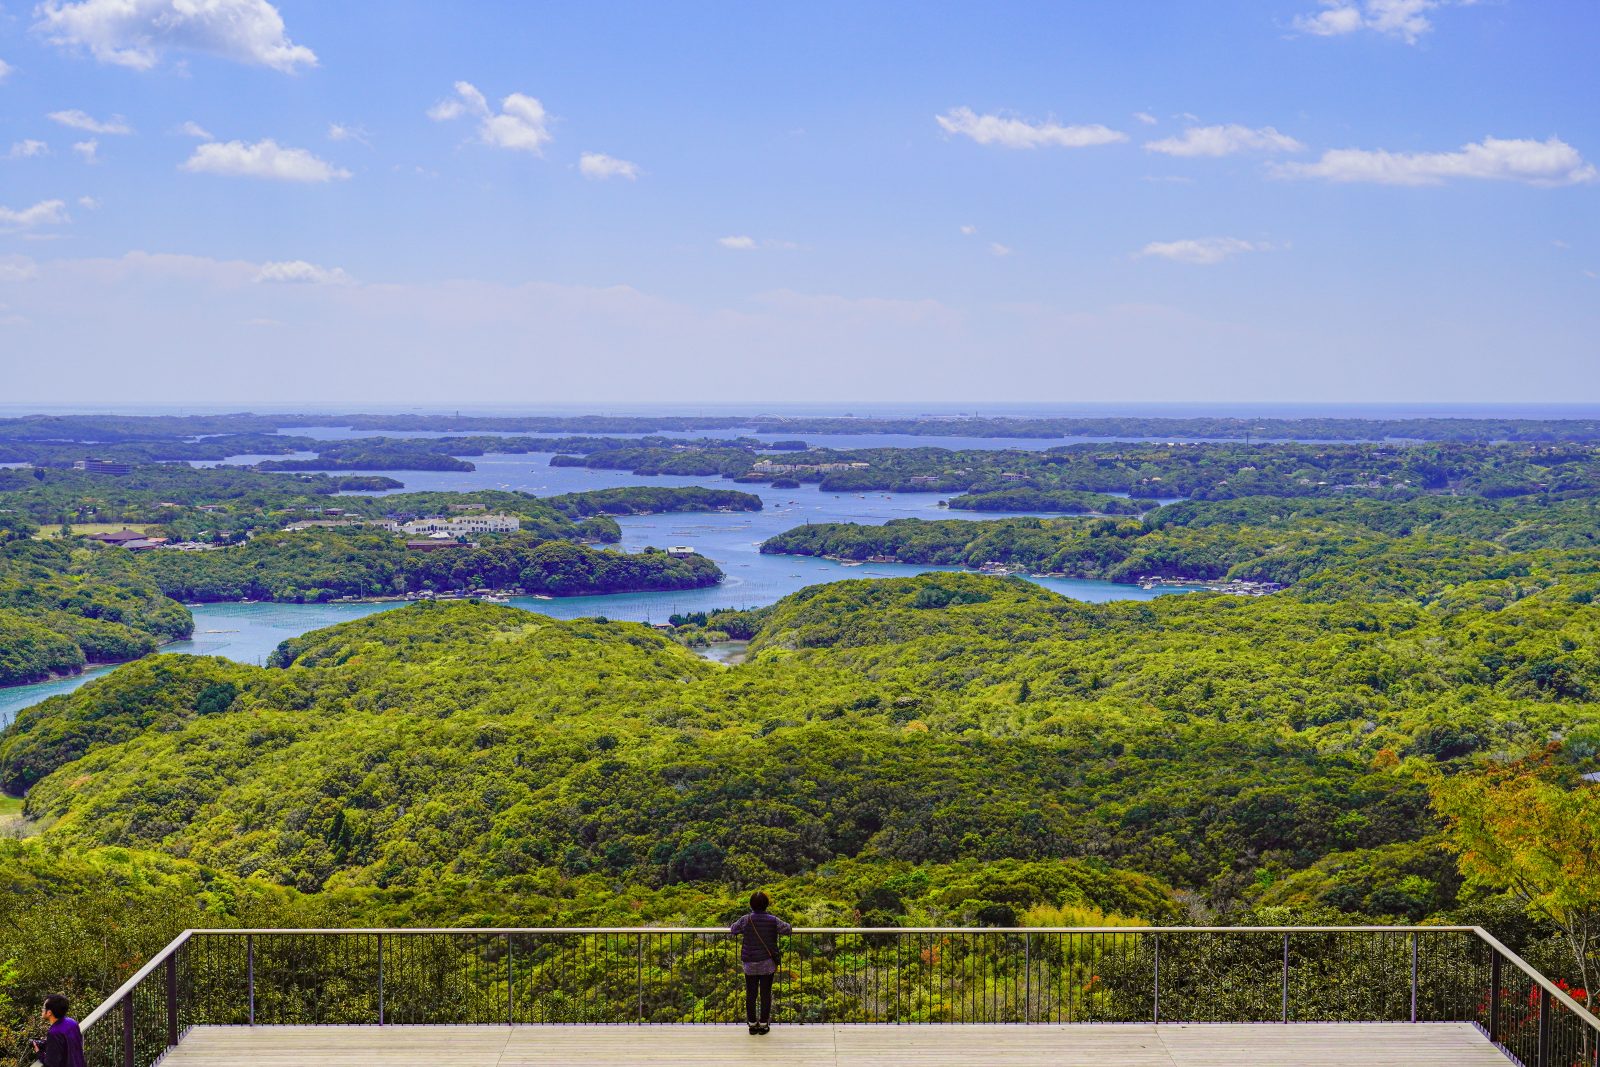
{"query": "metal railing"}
[(649, 975)]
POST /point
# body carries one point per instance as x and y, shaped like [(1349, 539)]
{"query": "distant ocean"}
[(870, 409)]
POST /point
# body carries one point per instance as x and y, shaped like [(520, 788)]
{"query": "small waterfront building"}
[(680, 550), (92, 465)]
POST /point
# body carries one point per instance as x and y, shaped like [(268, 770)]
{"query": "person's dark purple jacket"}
[(63, 1045), (761, 930)]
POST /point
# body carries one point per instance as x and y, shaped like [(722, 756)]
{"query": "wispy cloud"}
[(44, 213), (739, 243), (79, 120), (338, 131), (998, 249), (194, 129), (136, 33), (597, 166), (5, 70), (1203, 251), (298, 271), (1406, 20), (1224, 141), (1146, 118), (17, 268), (521, 124), (1009, 132), (264, 159), (1550, 162), (88, 151), (28, 150)]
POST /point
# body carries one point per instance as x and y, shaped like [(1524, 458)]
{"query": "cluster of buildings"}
[(766, 466), (134, 541), (430, 533)]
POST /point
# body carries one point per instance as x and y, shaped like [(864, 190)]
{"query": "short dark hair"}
[(56, 1005), (758, 901)]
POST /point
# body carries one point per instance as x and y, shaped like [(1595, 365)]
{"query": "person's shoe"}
[(764, 1029), (754, 1029)]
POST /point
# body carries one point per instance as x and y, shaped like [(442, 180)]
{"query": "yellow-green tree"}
[(1534, 832)]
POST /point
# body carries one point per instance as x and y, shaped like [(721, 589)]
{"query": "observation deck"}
[(1110, 997)]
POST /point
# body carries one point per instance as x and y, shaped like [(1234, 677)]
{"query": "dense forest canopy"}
[(949, 748)]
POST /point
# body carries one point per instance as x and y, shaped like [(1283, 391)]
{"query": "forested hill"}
[(1204, 740), (1328, 549)]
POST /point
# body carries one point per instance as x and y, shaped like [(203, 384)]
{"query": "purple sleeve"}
[(783, 927), (738, 924)]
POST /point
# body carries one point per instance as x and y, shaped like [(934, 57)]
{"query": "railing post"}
[(380, 979), (1413, 976), (1542, 1057), (1027, 977), (250, 963), (172, 999), (638, 974), (1285, 977), (127, 1030), (1155, 1013), (511, 1003), (1494, 998)]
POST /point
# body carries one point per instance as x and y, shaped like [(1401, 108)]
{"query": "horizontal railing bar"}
[(1548, 986), (502, 930), (140, 975)]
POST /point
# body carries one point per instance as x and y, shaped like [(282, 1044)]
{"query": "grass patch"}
[(50, 533)]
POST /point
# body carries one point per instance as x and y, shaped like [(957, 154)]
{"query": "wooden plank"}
[(1133, 1045)]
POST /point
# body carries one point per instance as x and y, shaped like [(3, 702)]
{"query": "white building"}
[(463, 525)]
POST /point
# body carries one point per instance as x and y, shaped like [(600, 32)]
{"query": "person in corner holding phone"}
[(63, 1044), (758, 957)]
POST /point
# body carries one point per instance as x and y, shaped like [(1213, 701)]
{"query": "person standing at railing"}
[(758, 958), (63, 1043)]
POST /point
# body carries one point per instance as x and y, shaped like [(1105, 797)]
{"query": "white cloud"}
[(17, 269), (88, 151), (1224, 141), (1204, 250), (44, 213), (1018, 133), (998, 249), (522, 124), (338, 131), (1551, 162), (1406, 20), (88, 203), (79, 120), (738, 242), (599, 166), (1591, 274), (194, 129), (5, 70), (1145, 117), (968, 231), (135, 33), (28, 150), (264, 159), (301, 272)]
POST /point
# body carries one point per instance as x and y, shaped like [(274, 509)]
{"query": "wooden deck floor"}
[(1171, 1045)]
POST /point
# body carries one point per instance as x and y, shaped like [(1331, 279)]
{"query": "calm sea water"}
[(249, 632)]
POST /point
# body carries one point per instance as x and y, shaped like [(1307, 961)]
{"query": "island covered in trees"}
[(1406, 730)]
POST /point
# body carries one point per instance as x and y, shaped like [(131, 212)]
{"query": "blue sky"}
[(231, 200)]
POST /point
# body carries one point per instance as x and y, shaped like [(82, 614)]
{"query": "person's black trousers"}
[(754, 983)]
